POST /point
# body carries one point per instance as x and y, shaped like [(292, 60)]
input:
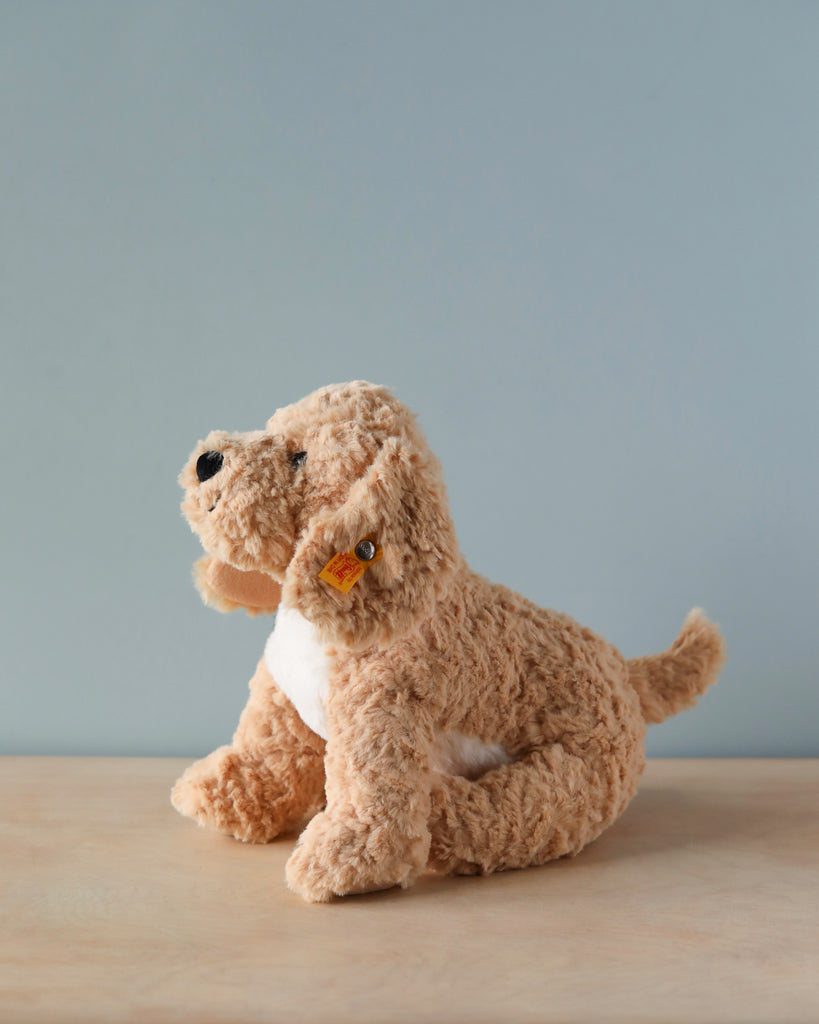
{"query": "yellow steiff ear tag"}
[(345, 569)]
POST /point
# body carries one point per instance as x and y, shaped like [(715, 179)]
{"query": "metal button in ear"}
[(365, 550)]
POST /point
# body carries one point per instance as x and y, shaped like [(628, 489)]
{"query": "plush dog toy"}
[(441, 721)]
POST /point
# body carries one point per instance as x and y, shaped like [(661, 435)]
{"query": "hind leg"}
[(267, 780), (548, 804)]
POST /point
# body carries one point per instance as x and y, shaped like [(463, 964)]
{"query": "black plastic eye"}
[(298, 459)]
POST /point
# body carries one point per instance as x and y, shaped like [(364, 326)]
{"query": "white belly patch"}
[(298, 662), (453, 753)]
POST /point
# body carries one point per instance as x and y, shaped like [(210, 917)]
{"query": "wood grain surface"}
[(700, 904)]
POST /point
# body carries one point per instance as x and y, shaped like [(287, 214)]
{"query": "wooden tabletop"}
[(700, 904)]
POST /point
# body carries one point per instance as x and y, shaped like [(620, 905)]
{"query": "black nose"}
[(208, 465)]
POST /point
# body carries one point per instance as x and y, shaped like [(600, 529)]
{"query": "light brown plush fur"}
[(420, 646)]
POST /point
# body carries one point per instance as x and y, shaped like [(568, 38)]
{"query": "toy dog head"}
[(273, 508)]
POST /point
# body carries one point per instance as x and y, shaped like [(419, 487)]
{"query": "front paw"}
[(232, 795), (338, 858)]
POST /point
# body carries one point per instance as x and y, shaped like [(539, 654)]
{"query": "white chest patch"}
[(297, 661), (300, 667)]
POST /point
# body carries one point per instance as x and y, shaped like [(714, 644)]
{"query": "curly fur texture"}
[(424, 655)]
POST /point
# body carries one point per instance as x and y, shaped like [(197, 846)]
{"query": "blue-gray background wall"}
[(579, 239)]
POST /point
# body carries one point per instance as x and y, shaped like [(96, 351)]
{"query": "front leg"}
[(267, 780), (374, 833)]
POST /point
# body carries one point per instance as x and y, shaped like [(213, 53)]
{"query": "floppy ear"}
[(227, 589), (400, 504)]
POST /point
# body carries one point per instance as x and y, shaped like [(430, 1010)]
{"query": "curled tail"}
[(670, 682)]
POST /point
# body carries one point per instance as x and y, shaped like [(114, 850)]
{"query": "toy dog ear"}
[(400, 504), (227, 589)]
